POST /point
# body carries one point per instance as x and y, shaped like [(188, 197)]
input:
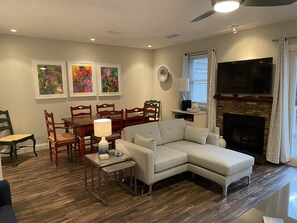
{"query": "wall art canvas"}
[(109, 79), (50, 79), (82, 79)]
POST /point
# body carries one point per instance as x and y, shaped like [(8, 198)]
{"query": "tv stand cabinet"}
[(197, 119)]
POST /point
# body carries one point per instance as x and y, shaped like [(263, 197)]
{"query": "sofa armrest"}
[(143, 157), (5, 194), (213, 139)]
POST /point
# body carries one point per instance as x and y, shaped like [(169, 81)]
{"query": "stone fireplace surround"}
[(244, 105)]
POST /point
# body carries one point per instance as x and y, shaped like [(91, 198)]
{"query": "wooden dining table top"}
[(81, 121)]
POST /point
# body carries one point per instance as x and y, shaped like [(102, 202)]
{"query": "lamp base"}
[(103, 146)]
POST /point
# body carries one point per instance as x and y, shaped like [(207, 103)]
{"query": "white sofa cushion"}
[(172, 130), (147, 130), (194, 134), (167, 158), (216, 159), (145, 142)]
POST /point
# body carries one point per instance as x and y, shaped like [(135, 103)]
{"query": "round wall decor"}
[(163, 74)]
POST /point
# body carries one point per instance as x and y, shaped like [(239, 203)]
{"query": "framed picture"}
[(82, 79), (50, 79), (109, 79)]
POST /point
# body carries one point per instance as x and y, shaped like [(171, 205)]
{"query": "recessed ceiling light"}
[(149, 46), (93, 39), (13, 30)]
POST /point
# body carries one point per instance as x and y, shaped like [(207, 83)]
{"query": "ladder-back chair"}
[(8, 138), (105, 107)]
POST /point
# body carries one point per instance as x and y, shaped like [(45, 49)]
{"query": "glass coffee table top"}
[(281, 204)]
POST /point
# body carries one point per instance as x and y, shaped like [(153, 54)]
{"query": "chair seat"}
[(64, 137), (16, 137)]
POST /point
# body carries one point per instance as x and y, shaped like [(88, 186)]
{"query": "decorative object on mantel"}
[(163, 74), (222, 142)]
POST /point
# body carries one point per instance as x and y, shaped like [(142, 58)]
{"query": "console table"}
[(197, 119)]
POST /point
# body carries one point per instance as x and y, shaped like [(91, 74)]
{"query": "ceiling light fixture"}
[(92, 39), (149, 46), (225, 5), (13, 30)]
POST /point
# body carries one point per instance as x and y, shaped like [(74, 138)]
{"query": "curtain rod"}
[(197, 53), (287, 38)]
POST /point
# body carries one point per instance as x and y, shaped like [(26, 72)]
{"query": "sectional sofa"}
[(167, 148)]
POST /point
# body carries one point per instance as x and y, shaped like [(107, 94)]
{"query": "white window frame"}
[(193, 81)]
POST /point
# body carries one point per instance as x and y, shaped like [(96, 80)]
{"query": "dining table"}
[(84, 127)]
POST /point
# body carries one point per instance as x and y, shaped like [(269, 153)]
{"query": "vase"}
[(222, 142)]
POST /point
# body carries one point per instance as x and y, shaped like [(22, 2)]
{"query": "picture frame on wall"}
[(82, 79), (109, 78), (50, 79)]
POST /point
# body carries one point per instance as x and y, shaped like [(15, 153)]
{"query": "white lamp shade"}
[(225, 6), (102, 127), (183, 84)]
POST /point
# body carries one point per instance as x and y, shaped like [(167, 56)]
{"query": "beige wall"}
[(139, 70), (16, 78), (246, 44)]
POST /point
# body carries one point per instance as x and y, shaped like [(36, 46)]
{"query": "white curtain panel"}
[(212, 103), (278, 146), (185, 74)]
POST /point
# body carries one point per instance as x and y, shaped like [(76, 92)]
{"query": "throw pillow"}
[(145, 142), (195, 134)]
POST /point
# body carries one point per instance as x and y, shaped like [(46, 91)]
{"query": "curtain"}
[(212, 103), (278, 146), (185, 74)]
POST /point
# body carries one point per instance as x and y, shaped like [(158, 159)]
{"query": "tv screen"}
[(252, 77)]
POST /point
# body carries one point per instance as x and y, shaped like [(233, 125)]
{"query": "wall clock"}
[(163, 74)]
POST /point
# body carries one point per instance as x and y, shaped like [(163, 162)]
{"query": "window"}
[(198, 73)]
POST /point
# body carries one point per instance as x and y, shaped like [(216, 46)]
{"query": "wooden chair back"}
[(158, 104), (134, 116), (5, 123), (81, 110), (150, 112), (105, 107), (116, 118)]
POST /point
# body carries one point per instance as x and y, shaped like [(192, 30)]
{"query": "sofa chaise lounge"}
[(167, 148)]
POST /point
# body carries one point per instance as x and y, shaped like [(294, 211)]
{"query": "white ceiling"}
[(130, 23)]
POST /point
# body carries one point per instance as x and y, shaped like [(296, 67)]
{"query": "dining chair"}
[(57, 137), (159, 112), (134, 116), (8, 138), (116, 117), (105, 107), (81, 110), (150, 112)]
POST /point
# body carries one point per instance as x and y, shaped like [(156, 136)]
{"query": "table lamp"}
[(102, 128)]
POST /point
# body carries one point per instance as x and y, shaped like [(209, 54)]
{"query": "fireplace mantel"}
[(244, 98)]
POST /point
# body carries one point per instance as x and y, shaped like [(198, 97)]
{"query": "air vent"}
[(113, 32), (172, 36)]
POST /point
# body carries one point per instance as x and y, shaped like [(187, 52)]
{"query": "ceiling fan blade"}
[(267, 2), (203, 16)]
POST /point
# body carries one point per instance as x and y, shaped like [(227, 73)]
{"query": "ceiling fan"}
[(219, 5)]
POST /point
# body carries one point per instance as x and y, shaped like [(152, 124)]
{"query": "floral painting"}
[(81, 79), (110, 82), (49, 79)]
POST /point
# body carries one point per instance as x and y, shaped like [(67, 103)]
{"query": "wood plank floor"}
[(43, 193)]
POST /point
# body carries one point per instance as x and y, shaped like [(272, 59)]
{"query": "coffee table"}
[(93, 182), (281, 204)]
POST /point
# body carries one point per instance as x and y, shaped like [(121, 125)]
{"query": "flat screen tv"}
[(247, 77)]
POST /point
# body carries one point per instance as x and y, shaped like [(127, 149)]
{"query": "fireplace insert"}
[(244, 133)]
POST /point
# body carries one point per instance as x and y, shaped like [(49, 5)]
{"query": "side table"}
[(103, 168)]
